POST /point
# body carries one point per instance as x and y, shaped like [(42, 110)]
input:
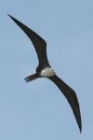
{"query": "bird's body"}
[(44, 70), (47, 72)]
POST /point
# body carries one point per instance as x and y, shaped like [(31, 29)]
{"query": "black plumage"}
[(40, 47)]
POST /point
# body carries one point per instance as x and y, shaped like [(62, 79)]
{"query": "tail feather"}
[(31, 77)]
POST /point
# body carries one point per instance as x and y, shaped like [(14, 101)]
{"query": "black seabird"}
[(45, 70)]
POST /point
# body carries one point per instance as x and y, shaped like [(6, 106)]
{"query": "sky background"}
[(37, 110)]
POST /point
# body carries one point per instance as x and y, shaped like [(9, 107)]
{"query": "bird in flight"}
[(44, 70)]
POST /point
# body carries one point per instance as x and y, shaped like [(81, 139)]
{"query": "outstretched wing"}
[(71, 97), (38, 42)]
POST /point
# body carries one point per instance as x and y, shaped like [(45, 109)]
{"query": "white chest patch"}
[(47, 72)]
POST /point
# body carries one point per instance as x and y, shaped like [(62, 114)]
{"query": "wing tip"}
[(78, 120), (12, 17), (9, 15), (80, 127)]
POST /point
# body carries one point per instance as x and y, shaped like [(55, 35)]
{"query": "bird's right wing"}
[(71, 97), (38, 42)]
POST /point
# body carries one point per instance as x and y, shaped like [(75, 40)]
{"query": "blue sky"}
[(38, 110)]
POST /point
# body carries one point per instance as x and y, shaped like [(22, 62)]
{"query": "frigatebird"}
[(46, 71)]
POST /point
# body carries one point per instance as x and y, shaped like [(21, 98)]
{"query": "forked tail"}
[(32, 77)]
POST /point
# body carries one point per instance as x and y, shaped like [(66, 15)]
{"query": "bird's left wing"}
[(71, 97), (38, 42)]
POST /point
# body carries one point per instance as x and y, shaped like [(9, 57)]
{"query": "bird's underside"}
[(44, 70)]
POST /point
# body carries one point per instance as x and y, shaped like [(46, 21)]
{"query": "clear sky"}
[(37, 110)]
